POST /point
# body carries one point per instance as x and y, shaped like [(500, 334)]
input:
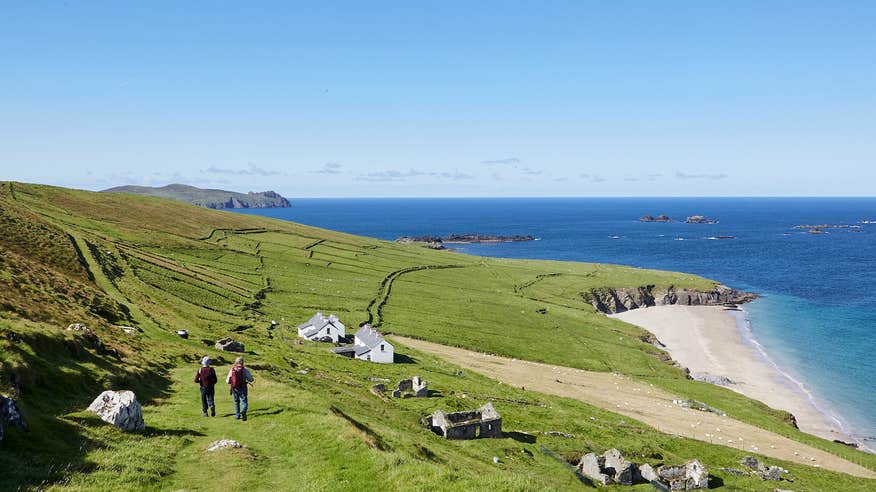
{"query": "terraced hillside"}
[(113, 260)]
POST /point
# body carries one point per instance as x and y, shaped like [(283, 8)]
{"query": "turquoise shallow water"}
[(817, 316)]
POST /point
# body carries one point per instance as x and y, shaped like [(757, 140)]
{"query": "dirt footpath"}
[(640, 401)]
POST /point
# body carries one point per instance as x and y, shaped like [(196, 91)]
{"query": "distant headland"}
[(217, 199), (438, 242)]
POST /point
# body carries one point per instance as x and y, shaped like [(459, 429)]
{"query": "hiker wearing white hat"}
[(206, 375)]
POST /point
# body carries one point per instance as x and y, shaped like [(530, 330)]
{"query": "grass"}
[(173, 266)]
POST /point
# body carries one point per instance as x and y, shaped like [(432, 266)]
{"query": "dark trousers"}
[(240, 405), (207, 398)]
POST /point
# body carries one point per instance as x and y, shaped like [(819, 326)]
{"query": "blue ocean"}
[(817, 315)]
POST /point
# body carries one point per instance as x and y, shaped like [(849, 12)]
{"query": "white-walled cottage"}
[(321, 327), (370, 345)]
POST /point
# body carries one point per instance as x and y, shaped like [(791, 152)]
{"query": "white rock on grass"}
[(223, 444), (119, 408)]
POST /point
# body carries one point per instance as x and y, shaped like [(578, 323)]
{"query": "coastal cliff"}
[(615, 300)]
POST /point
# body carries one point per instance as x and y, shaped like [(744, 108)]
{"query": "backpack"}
[(206, 376), (238, 380)]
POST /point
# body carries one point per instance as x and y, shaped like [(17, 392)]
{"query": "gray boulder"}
[(648, 473), (229, 345), (696, 475), (223, 444), (10, 414), (690, 476), (620, 470), (771, 473), (591, 466), (119, 408)]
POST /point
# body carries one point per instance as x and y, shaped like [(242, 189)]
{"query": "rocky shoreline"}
[(611, 301), (438, 242)]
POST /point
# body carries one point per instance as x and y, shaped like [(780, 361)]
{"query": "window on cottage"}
[(382, 348)]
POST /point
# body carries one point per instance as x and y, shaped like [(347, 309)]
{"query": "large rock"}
[(591, 466), (619, 469), (119, 408), (229, 345), (10, 414), (690, 476), (771, 473), (223, 444), (696, 475), (648, 473)]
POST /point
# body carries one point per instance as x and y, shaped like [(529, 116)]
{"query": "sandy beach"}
[(708, 340)]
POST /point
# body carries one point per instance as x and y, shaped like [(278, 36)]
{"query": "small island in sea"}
[(438, 242), (699, 219), (652, 218)]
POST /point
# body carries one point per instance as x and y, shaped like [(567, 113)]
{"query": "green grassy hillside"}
[(112, 259)]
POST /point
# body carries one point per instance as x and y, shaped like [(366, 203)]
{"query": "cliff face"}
[(608, 300)]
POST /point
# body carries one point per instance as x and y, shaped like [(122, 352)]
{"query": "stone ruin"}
[(761, 470), (10, 414), (483, 422), (229, 345), (612, 468), (119, 408), (415, 387)]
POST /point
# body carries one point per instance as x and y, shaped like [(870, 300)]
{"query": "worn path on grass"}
[(641, 401)]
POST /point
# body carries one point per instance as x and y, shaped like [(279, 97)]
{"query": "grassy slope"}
[(162, 265)]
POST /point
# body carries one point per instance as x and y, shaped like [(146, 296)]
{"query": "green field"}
[(158, 265)]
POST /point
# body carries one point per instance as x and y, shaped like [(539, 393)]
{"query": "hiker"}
[(206, 375), (238, 378)]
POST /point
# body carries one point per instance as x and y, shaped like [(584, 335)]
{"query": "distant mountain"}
[(209, 198)]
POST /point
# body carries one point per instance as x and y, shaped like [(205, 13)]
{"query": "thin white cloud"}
[(329, 168), (398, 175), (681, 175), (594, 178), (250, 170), (506, 160)]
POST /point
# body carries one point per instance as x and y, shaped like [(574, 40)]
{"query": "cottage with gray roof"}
[(369, 345), (322, 328)]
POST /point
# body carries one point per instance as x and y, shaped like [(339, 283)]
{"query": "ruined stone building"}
[(483, 422)]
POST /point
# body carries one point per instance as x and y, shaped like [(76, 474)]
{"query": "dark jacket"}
[(206, 376)]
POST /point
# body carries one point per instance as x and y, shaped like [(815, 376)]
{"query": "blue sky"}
[(409, 98)]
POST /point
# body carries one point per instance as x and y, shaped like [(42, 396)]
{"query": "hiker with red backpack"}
[(206, 375), (238, 378)]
